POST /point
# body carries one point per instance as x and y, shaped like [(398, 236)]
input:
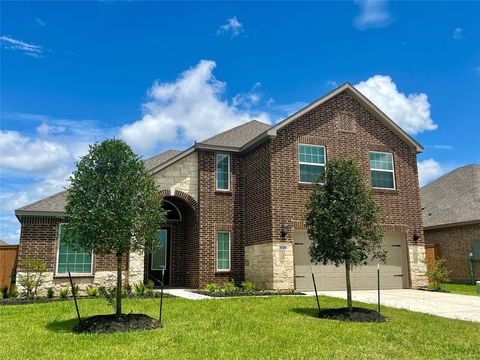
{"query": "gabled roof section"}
[(453, 198), (236, 137), (233, 140), (159, 159), (363, 99), (53, 205)]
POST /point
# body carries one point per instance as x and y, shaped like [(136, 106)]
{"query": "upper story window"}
[(223, 172), (71, 259), (382, 170), (312, 162)]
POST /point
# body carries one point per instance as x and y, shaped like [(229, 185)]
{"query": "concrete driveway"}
[(452, 306)]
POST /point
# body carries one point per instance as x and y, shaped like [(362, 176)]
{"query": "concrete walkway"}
[(452, 306), (185, 294)]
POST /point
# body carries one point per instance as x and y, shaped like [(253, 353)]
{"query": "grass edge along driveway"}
[(250, 328)]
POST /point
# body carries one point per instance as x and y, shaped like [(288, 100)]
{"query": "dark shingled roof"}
[(238, 136), (154, 161), (453, 198)]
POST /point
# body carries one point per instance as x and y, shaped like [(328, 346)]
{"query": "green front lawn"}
[(463, 289), (250, 328)]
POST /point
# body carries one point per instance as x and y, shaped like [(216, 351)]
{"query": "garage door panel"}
[(330, 277)]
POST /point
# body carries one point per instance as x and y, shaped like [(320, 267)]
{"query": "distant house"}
[(236, 205), (451, 218)]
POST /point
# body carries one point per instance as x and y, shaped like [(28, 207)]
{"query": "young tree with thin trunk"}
[(113, 206), (342, 220)]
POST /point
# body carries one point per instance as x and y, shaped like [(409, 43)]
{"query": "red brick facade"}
[(455, 242), (39, 240), (265, 192)]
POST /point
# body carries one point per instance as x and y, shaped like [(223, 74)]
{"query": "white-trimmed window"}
[(312, 161), (223, 251), (382, 170), (71, 259), (222, 162)]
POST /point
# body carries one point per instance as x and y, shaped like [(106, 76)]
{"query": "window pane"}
[(222, 171), (223, 251), (70, 259), (382, 179), (312, 154), (309, 173), (159, 255), (381, 161)]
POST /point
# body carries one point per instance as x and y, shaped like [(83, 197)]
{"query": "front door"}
[(160, 258)]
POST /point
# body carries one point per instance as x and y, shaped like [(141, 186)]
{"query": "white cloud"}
[(250, 98), (10, 43), (458, 33), (232, 26), (373, 14), (189, 108), (40, 22), (429, 170), (411, 112), (28, 154)]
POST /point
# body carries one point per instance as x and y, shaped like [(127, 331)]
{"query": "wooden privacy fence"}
[(8, 262), (432, 253)]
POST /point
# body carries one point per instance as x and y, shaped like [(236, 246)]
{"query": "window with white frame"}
[(382, 170), (223, 171), (71, 259), (223, 251), (312, 161)]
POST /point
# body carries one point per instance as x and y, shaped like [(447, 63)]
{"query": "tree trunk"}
[(119, 286), (349, 285)]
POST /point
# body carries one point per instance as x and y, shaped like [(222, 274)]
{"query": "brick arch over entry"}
[(181, 195), (184, 241)]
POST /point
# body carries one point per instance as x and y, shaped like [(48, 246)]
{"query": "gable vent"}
[(345, 121)]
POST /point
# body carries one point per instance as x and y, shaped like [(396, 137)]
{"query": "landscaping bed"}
[(356, 315), (247, 293), (39, 300), (110, 323)]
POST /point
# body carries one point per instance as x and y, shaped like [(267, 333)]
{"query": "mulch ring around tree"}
[(356, 315), (110, 324)]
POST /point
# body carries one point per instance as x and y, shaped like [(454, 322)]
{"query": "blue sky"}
[(161, 75)]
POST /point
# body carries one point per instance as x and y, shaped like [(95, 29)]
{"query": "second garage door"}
[(329, 277)]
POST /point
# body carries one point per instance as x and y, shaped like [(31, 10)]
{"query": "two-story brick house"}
[(237, 204)]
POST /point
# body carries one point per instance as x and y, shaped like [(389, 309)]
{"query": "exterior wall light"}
[(416, 235), (284, 230)]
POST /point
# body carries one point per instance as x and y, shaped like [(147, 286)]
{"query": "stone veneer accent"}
[(136, 267), (418, 266), (270, 265), (181, 175), (100, 278)]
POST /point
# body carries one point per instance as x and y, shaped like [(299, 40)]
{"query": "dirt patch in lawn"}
[(110, 323), (356, 315)]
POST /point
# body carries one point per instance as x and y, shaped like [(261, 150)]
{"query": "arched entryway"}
[(178, 238)]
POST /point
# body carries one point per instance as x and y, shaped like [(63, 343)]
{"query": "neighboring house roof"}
[(453, 198), (3, 242)]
